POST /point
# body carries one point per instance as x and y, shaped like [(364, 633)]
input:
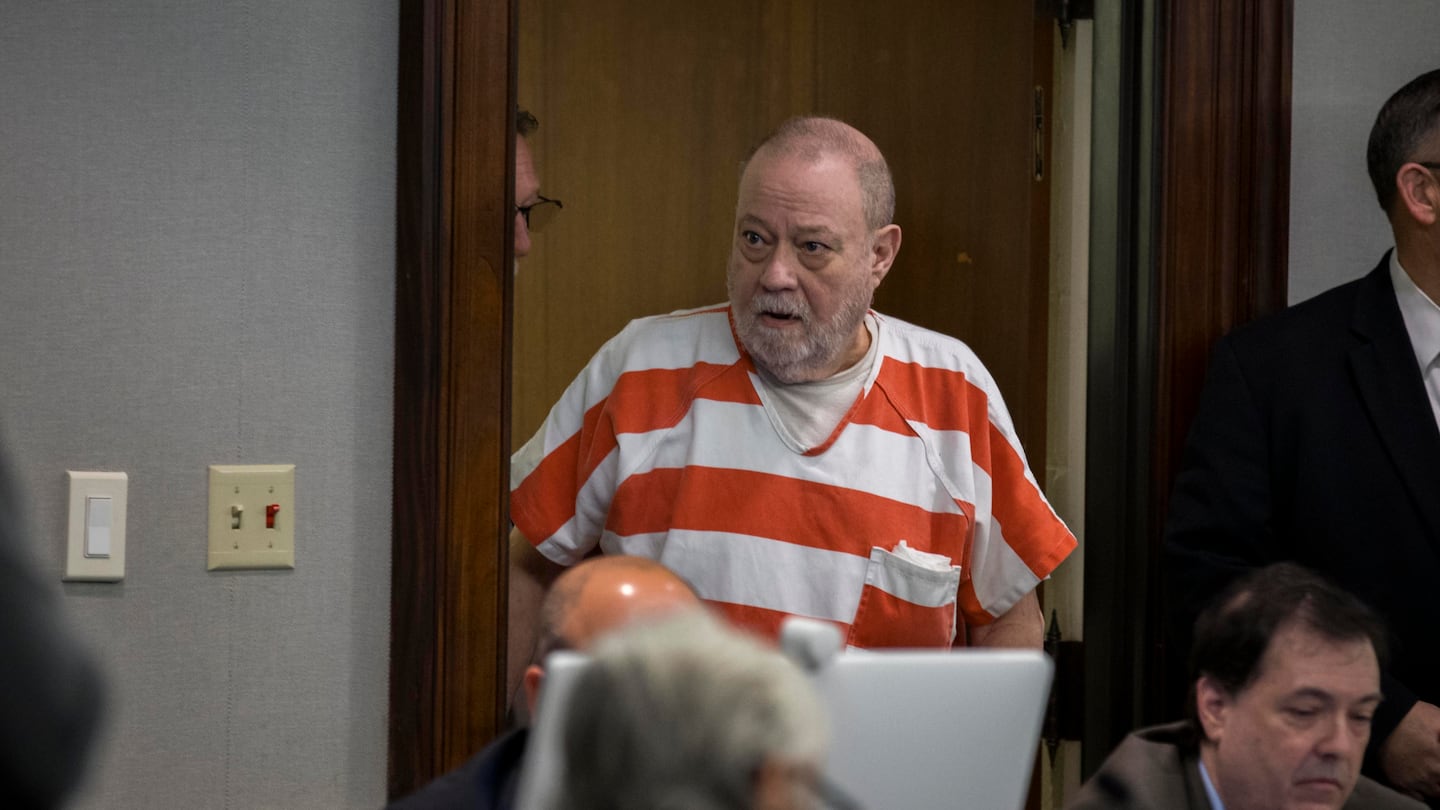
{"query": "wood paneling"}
[(1222, 258), (1225, 192), (646, 108), (451, 371), (1220, 194), (946, 89), (646, 111)]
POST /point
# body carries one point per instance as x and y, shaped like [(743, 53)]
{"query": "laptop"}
[(909, 729)]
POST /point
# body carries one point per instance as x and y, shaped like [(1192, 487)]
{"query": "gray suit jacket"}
[(1158, 768)]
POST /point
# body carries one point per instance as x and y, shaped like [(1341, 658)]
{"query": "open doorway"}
[(457, 89)]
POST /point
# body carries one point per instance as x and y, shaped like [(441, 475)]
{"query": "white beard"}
[(807, 357)]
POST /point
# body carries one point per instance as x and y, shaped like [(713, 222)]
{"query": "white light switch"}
[(98, 512), (96, 549)]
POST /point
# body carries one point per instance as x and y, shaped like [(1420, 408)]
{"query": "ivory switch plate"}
[(96, 549), (252, 516)]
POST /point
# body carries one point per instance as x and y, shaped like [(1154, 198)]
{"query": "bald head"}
[(597, 596), (605, 593), (815, 138)]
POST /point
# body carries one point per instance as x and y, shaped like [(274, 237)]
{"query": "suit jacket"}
[(1158, 768), (487, 781), (1315, 442), (50, 686)]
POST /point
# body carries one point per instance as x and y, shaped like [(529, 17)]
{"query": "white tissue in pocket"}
[(922, 559)]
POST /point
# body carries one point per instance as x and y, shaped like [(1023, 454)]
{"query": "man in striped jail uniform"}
[(794, 452)]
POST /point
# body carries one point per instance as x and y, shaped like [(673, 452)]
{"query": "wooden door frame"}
[(1201, 117), (454, 249), (1161, 292)]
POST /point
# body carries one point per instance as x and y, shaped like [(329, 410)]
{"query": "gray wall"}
[(196, 267), (1349, 57)]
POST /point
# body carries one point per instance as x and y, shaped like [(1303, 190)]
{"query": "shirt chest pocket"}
[(909, 600)]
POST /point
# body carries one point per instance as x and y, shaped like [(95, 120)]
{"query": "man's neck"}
[(1208, 773), (1419, 256)]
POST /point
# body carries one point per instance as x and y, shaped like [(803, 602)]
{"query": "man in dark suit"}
[(1285, 678), (1318, 440)]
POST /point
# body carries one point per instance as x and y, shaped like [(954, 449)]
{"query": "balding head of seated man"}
[(691, 714), (599, 596), (586, 602), (1286, 680)]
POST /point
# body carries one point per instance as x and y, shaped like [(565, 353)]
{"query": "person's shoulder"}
[(1152, 767), (1327, 313), (684, 318), (486, 780), (1371, 795), (672, 325), (673, 340), (910, 343)]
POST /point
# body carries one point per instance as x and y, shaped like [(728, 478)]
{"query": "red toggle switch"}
[(270, 515)]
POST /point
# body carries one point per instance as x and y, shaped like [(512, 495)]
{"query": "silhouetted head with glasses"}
[(532, 210)]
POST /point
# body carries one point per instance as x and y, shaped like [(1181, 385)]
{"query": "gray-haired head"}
[(684, 713), (813, 137)]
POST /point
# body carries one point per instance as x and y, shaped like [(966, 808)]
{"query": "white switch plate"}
[(239, 498), (85, 485)]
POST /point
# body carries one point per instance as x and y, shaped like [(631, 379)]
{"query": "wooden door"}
[(647, 107)]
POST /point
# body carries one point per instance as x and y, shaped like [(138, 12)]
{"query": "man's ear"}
[(532, 679), (1212, 705), (882, 251), (1418, 193)]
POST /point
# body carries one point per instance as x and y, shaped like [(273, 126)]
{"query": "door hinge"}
[(1065, 13), (1065, 711)]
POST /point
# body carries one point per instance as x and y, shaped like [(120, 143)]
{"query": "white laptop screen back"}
[(912, 729), (935, 729)]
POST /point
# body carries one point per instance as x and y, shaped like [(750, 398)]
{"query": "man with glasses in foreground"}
[(1317, 439)]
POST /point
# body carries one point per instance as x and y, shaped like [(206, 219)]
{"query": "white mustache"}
[(780, 305)]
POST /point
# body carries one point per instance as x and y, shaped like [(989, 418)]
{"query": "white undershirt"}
[(1422, 322), (806, 414)]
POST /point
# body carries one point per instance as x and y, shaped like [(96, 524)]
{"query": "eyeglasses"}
[(539, 213)]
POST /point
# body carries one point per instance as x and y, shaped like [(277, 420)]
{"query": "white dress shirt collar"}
[(1214, 795), (1422, 323)]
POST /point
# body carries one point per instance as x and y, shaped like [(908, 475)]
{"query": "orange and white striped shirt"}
[(662, 448)]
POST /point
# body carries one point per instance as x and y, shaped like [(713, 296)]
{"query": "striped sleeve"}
[(951, 401), (564, 478)]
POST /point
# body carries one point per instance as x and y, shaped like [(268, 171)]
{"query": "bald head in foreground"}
[(600, 596), (587, 602)]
